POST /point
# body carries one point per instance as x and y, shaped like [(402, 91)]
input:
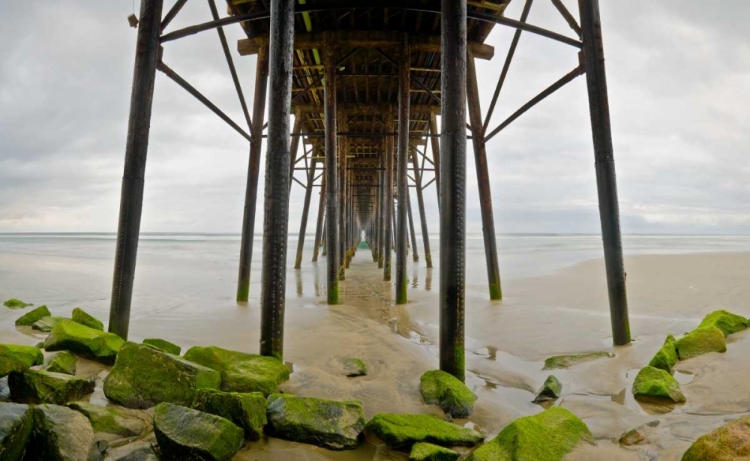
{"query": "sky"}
[(679, 88)]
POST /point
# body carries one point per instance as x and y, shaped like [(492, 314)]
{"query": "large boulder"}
[(701, 341), (144, 376), (61, 434), (547, 436), (566, 361), (404, 430), (15, 430), (666, 358), (163, 345), (325, 423), (429, 452), (86, 319), (110, 420), (730, 442), (28, 319), (241, 372), (657, 384), (725, 321), (18, 358), (448, 392), (62, 362), (550, 391), (246, 410), (41, 386), (186, 434), (95, 344)]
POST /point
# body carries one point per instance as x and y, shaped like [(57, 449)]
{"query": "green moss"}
[(62, 362), (657, 384), (40, 386), (30, 317), (80, 316), (727, 322), (14, 303), (403, 431), (246, 410), (110, 420), (143, 377), (333, 294), (496, 293), (401, 297), (15, 430), (163, 345), (565, 361), (666, 357), (18, 358), (94, 344), (550, 391), (727, 443), (243, 292), (701, 341), (354, 367), (445, 390), (429, 452), (547, 436)]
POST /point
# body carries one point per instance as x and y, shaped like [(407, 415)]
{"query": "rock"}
[(638, 434), (730, 442), (550, 391), (143, 376), (140, 454), (62, 362), (46, 324), (85, 319), (14, 303), (429, 452), (241, 372), (95, 344), (666, 358), (404, 430), (354, 367), (565, 361), (725, 321), (448, 392), (110, 420), (246, 410), (18, 358), (30, 317), (61, 434), (547, 436), (164, 346), (657, 383), (326, 423), (41, 386), (15, 430), (186, 434), (701, 341)]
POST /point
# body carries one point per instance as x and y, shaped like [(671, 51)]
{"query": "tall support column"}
[(388, 196), (294, 146), (303, 221), (136, 149), (276, 216), (321, 217), (253, 169), (382, 204), (412, 233), (435, 142), (609, 210), (402, 184), (332, 177), (483, 179), (422, 215), (343, 193), (453, 188)]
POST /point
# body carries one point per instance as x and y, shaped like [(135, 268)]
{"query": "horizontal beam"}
[(367, 108)]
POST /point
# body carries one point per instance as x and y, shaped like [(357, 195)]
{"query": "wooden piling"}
[(412, 233), (388, 198), (320, 220), (343, 195), (331, 175), (402, 185), (435, 143), (421, 208), (305, 210)]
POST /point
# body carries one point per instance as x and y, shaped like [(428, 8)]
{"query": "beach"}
[(555, 302)]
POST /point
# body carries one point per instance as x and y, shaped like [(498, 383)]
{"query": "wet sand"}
[(562, 312)]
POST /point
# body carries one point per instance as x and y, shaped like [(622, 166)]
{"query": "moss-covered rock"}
[(246, 410), (61, 434), (730, 442), (725, 321), (144, 376), (40, 386), (429, 452), (638, 434), (18, 358), (550, 391), (547, 436), (448, 392), (326, 423), (403, 431), (46, 324), (565, 361), (657, 384), (95, 344), (14, 303), (30, 317), (666, 358), (186, 434), (163, 345), (241, 372), (15, 430), (62, 362), (110, 420), (354, 367), (701, 341), (86, 319)]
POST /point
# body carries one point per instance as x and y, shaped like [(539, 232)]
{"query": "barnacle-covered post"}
[(402, 184), (331, 175)]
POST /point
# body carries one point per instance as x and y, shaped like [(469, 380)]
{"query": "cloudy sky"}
[(679, 81)]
